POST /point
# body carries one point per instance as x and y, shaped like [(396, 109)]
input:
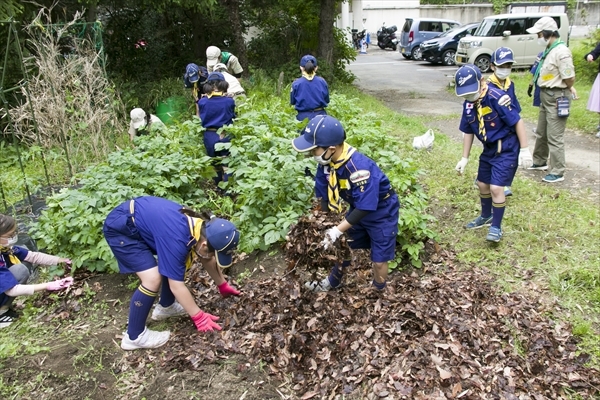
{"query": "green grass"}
[(550, 245)]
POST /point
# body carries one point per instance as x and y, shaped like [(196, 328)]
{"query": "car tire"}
[(483, 63), (394, 47), (448, 57), (416, 53)]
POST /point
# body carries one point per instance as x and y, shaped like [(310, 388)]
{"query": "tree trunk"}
[(239, 50), (326, 39)]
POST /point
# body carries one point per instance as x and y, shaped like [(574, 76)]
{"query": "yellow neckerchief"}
[(11, 255), (195, 91), (195, 225), (216, 94), (494, 79), (333, 190), (482, 131), (308, 76)]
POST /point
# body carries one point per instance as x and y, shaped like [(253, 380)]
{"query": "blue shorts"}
[(210, 139), (132, 253), (309, 114), (499, 168), (378, 231)]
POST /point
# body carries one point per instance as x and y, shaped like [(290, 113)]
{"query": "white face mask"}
[(542, 42), (12, 240), (502, 73), (471, 98), (321, 160)]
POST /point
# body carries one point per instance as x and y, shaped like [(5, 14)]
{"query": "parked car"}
[(506, 30), (442, 49), (416, 30)]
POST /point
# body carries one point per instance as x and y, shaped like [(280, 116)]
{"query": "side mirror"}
[(506, 33)]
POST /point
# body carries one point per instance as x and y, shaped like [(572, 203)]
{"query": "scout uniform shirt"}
[(557, 66), (362, 183), (499, 121)]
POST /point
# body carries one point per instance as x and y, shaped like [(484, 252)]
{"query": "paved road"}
[(419, 88)]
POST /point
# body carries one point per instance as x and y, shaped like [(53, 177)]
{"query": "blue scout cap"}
[(306, 59), (467, 80), (192, 71), (216, 76), (321, 131), (224, 237), (502, 55)]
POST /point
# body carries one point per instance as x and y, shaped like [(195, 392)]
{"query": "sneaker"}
[(479, 222), (598, 135), (538, 167), (6, 320), (507, 191), (550, 178), (147, 340), (316, 286), (174, 310), (494, 234)]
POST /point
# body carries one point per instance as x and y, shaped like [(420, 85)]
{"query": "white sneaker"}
[(316, 286), (147, 340), (174, 310)]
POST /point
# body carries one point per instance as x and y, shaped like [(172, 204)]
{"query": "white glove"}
[(504, 100), (331, 235), (460, 167), (525, 159)]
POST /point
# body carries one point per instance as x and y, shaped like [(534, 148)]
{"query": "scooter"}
[(386, 37), (357, 38)]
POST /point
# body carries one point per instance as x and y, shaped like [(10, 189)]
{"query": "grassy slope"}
[(551, 235)]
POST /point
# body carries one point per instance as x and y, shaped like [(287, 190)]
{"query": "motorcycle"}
[(357, 38), (386, 37)]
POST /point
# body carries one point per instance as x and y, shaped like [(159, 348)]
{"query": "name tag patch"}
[(360, 177)]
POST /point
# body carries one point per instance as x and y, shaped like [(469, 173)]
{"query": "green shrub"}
[(584, 70)]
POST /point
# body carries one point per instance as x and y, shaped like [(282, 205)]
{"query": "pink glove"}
[(226, 290), (206, 322), (59, 284)]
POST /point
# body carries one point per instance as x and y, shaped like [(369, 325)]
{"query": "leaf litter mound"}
[(441, 333)]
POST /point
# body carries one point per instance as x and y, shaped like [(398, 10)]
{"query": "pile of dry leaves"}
[(442, 333)]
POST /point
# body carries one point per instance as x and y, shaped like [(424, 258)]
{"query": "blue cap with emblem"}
[(502, 55), (216, 76), (321, 131), (467, 80), (224, 237)]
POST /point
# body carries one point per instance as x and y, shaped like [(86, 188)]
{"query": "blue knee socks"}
[(498, 214), (486, 204), (139, 308), (167, 297), (337, 273)]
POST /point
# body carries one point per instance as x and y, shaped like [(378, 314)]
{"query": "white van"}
[(506, 30)]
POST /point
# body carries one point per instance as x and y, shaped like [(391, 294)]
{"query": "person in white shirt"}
[(235, 88), (142, 123)]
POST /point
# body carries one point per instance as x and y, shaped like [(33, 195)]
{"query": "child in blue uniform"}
[(502, 132), (310, 93), (502, 62), (345, 174), (194, 78), (145, 227), (14, 274), (216, 110)]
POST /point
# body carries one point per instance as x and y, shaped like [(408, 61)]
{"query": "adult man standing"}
[(214, 55), (555, 76)]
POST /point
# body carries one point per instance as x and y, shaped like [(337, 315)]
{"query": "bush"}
[(584, 70), (268, 184)]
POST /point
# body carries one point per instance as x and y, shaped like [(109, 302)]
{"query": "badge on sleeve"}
[(360, 177)]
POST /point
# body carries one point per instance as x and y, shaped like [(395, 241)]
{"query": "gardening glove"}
[(206, 322), (227, 290), (504, 100), (59, 284), (460, 167), (530, 90), (525, 159), (331, 235)]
